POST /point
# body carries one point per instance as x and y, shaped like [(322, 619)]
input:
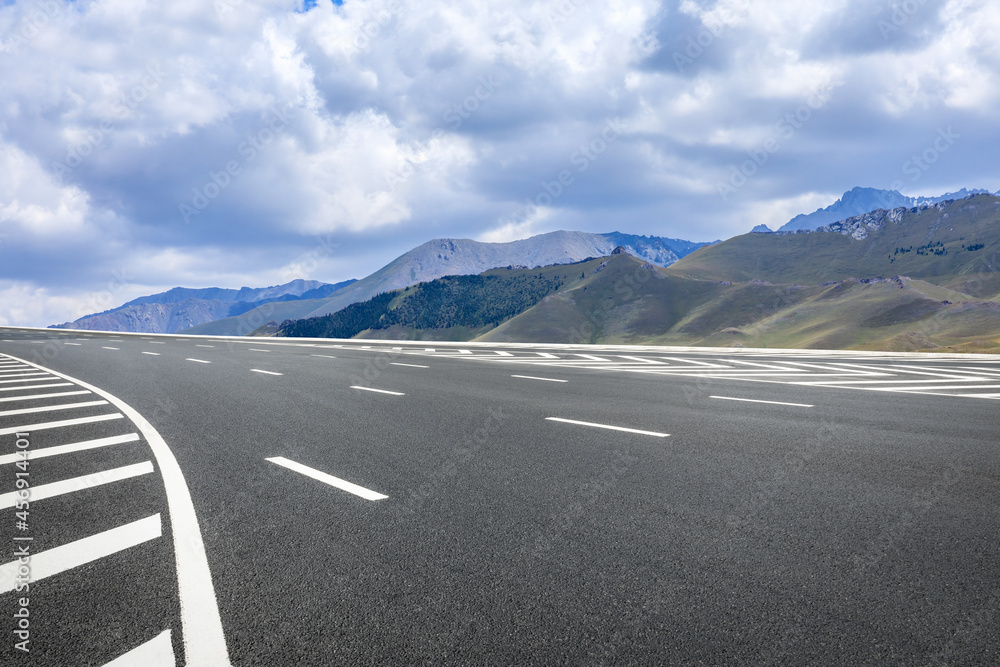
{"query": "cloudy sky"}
[(145, 145)]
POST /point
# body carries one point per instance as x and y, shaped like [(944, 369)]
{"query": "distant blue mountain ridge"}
[(181, 307), (859, 201)]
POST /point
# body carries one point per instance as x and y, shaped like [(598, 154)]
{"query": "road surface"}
[(365, 502)]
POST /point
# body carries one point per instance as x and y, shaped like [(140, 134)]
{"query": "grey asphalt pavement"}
[(747, 508)]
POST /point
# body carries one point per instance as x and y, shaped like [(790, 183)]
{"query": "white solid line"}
[(325, 356), (257, 370), (381, 391), (200, 361), (341, 484), (393, 363), (52, 408), (104, 347), (155, 354), (157, 652), (38, 386), (613, 428), (72, 555), (7, 399), (753, 400), (531, 377), (45, 452), (43, 491), (59, 424), (204, 640)]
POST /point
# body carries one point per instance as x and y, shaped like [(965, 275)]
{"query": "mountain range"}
[(443, 257), (918, 278), (181, 308), (865, 200)]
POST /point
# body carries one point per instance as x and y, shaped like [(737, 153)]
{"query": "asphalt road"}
[(771, 508)]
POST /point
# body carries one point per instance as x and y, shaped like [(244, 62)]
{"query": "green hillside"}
[(956, 244), (633, 304), (450, 308)]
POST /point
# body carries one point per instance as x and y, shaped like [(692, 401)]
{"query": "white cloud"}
[(376, 151)]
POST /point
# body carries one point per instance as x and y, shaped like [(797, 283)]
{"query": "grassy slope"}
[(811, 259), (628, 304)]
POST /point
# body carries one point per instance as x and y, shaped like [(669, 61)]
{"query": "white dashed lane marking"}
[(341, 484), (754, 400), (380, 391), (608, 426), (531, 377)]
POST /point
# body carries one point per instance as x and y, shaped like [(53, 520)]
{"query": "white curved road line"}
[(204, 640)]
